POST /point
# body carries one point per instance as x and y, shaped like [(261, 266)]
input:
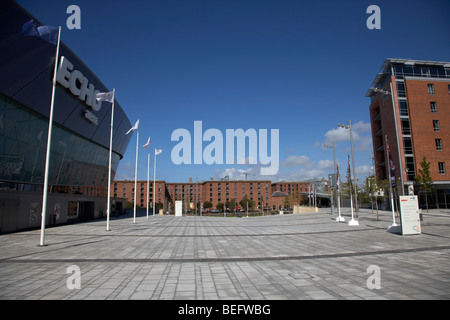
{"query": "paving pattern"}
[(301, 256)]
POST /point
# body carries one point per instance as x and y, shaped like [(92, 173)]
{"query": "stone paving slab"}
[(302, 256)]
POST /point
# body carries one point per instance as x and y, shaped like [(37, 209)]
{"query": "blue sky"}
[(297, 66)]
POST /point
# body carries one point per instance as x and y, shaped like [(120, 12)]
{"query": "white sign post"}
[(178, 208), (409, 215)]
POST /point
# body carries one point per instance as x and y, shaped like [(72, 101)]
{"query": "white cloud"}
[(295, 168), (361, 133), (325, 165), (337, 135), (363, 170), (297, 161)]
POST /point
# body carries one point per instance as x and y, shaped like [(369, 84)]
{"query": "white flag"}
[(105, 96), (135, 127), (147, 144), (158, 151)]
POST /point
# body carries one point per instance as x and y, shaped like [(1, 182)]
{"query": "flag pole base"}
[(394, 228), (353, 222), (340, 219)]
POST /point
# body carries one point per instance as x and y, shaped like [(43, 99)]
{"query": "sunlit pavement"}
[(301, 256)]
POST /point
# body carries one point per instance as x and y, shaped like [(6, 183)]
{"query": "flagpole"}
[(352, 222), (108, 210), (154, 183), (309, 195), (49, 139), (338, 189), (148, 174), (390, 184), (135, 174)]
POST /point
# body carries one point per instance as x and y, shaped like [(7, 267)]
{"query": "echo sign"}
[(79, 86)]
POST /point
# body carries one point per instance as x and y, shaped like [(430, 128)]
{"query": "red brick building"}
[(214, 191), (297, 192), (125, 189), (410, 103)]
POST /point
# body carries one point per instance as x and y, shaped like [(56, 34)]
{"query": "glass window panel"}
[(433, 72), (417, 71), (23, 138), (408, 71), (401, 89), (403, 108)]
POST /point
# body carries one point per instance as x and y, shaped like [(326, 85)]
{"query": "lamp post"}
[(353, 161)]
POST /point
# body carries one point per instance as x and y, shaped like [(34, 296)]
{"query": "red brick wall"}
[(421, 121)]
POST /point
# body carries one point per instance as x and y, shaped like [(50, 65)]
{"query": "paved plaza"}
[(288, 257)]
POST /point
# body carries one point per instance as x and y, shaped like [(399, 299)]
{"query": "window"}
[(433, 107), (401, 89), (441, 167), (438, 144), (449, 89), (430, 88), (403, 108), (436, 125), (406, 129)]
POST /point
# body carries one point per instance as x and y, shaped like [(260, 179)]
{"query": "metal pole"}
[(195, 196), (49, 139), (154, 184), (354, 172), (135, 175), (334, 168), (398, 144), (108, 205), (390, 184), (148, 174)]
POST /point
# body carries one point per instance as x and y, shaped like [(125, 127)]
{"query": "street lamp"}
[(353, 161)]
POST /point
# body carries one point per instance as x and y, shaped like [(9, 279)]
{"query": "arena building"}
[(78, 175)]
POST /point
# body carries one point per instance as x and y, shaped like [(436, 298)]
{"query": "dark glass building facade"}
[(80, 145)]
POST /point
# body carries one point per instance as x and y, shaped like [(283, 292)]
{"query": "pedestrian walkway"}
[(301, 256)]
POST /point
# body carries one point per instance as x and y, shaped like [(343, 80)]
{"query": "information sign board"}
[(409, 215), (178, 208)]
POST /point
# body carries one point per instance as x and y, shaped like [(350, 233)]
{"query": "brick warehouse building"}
[(410, 103), (214, 191)]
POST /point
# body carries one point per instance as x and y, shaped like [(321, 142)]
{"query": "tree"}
[(424, 178), (231, 205), (246, 201), (207, 204), (287, 202), (219, 206), (368, 191)]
